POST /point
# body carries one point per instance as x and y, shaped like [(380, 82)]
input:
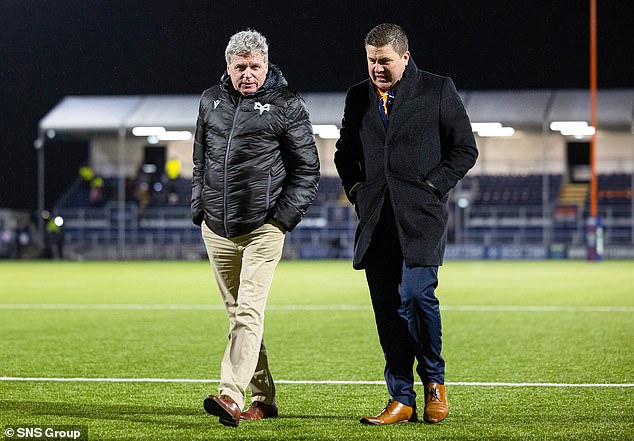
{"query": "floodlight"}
[(476, 127), (579, 132), (148, 131), (499, 131), (558, 126), (573, 128), (491, 129), (183, 135)]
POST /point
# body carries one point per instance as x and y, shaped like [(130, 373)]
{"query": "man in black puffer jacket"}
[(255, 173)]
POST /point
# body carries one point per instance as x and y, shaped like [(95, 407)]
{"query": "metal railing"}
[(328, 229)]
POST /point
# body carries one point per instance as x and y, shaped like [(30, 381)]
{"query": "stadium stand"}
[(527, 195), (500, 210)]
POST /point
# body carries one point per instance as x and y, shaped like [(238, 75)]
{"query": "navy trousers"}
[(406, 311)]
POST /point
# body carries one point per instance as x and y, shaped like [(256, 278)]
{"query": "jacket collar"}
[(407, 84)]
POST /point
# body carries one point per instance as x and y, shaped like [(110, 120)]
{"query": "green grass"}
[(571, 341)]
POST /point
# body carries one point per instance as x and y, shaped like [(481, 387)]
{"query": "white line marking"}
[(510, 308), (325, 382), (209, 307), (112, 306)]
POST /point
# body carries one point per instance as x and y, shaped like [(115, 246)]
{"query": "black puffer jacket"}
[(255, 158)]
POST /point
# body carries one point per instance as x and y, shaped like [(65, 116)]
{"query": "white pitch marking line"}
[(495, 308), (325, 382), (208, 307)]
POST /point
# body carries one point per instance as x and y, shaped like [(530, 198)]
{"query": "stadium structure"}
[(527, 197)]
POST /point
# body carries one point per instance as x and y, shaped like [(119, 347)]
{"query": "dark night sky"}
[(53, 48)]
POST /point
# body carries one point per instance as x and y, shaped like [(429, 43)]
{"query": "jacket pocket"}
[(422, 182)]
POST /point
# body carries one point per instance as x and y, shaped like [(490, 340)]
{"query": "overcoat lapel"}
[(375, 117), (407, 103)]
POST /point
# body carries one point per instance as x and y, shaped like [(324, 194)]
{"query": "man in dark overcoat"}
[(405, 142)]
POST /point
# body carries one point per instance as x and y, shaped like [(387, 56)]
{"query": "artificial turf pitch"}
[(534, 350)]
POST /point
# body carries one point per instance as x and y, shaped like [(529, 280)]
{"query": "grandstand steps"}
[(573, 194)]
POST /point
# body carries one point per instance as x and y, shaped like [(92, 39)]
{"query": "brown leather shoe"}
[(258, 410), (223, 407), (436, 406), (394, 412)]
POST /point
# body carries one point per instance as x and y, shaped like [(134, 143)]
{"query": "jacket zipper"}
[(225, 189), (268, 190)]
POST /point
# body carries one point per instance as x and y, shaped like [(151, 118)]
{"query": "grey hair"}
[(247, 42)]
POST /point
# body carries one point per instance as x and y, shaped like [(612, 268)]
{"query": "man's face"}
[(385, 66), (247, 72)]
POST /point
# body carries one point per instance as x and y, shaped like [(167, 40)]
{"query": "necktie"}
[(386, 98)]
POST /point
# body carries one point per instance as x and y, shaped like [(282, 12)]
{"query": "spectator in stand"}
[(86, 174), (96, 197), (172, 172)]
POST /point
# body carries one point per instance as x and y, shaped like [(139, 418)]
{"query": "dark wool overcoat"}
[(428, 141)]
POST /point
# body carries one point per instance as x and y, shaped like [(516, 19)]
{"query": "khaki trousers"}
[(243, 267)]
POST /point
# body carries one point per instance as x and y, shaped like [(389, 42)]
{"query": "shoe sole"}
[(214, 408), (367, 420), (258, 419), (430, 421), (372, 423)]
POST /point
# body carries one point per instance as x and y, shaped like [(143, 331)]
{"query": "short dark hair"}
[(388, 34)]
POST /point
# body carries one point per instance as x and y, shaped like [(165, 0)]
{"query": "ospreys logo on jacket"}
[(254, 157)]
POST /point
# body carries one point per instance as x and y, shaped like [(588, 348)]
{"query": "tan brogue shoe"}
[(223, 407), (394, 412), (258, 410), (436, 406)]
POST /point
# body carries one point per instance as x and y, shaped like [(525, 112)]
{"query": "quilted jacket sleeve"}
[(198, 172), (301, 162)]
